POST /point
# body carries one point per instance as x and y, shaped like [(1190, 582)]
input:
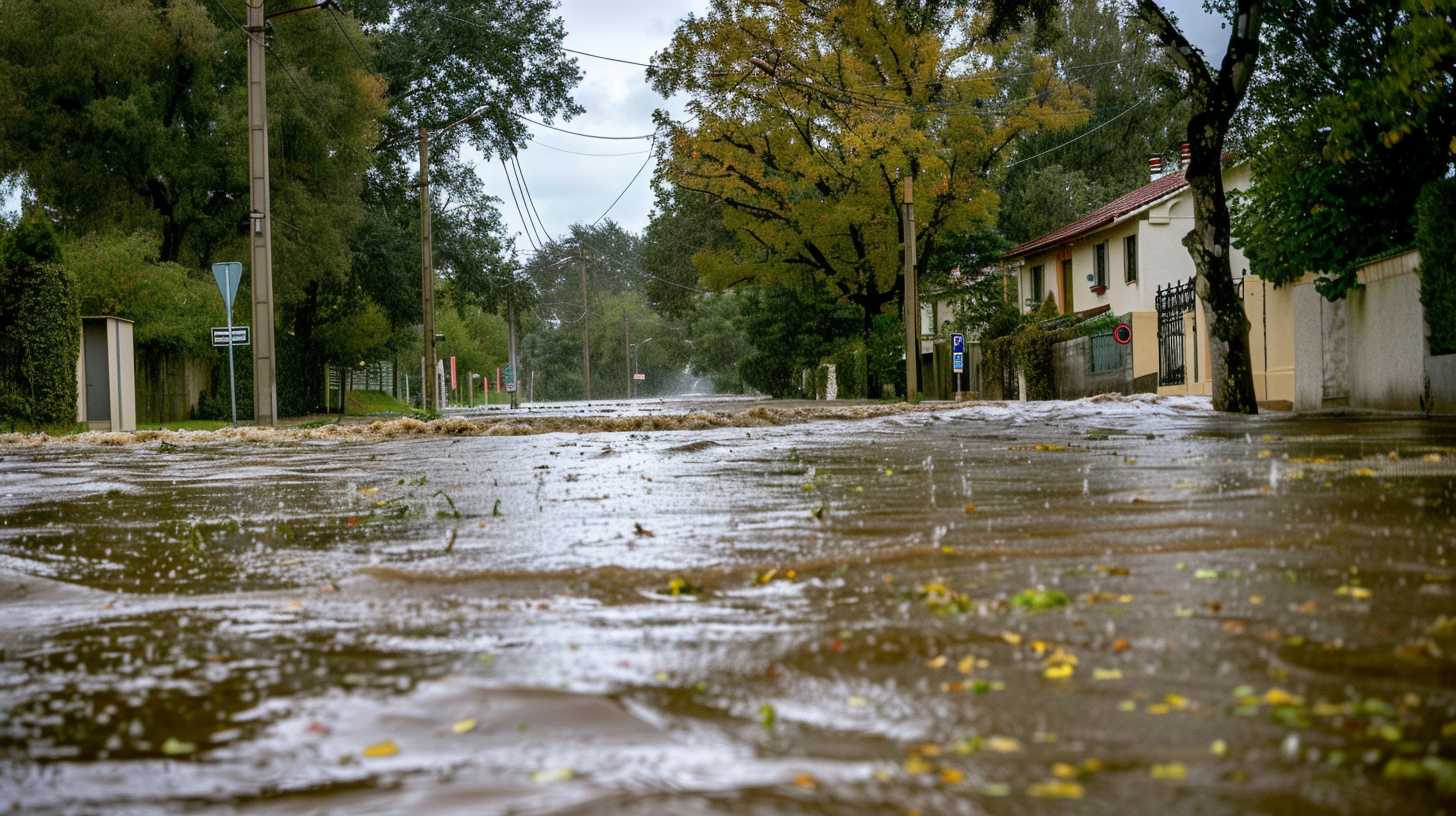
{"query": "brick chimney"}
[(1184, 154), (1155, 167)]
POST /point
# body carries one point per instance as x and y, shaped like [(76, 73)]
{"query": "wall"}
[(1369, 351), (169, 385)]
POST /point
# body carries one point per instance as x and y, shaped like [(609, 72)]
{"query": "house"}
[(1127, 257)]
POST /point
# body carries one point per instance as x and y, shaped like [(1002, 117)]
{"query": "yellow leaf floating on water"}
[(379, 750), (552, 775), (1358, 593), (463, 726), (1012, 638), (1218, 748), (951, 776), (938, 662), (966, 664), (1278, 696), (1003, 745), (1056, 789), (858, 702), (176, 747), (1173, 771), (1060, 671), (1063, 770), (915, 766), (1363, 472), (806, 781), (1107, 674)]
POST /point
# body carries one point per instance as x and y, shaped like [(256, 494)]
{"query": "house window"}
[(1129, 259), (1100, 256), (1037, 289)]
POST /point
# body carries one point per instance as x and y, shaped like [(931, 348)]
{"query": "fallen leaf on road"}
[(552, 775), (1056, 789), (176, 747), (1170, 771), (463, 726), (379, 750)]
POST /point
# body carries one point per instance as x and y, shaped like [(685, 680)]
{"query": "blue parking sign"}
[(958, 343)]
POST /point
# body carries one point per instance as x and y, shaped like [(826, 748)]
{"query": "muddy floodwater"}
[(1106, 606)]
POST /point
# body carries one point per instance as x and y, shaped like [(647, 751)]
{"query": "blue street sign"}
[(228, 275), (957, 344), (957, 362)]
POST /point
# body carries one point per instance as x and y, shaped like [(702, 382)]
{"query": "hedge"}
[(1435, 215)]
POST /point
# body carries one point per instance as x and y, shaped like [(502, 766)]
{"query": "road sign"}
[(510, 375), (957, 362), (1122, 333), (957, 343), (228, 275), (639, 376), (241, 336)]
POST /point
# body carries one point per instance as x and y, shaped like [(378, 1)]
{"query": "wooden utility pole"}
[(912, 298), (627, 348), (515, 366), (585, 328), (260, 228), (427, 280)]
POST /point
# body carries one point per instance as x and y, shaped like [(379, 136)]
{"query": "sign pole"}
[(232, 378)]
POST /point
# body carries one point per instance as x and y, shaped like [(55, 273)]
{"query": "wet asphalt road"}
[(1126, 605)]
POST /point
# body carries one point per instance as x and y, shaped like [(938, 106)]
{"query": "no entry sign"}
[(1122, 333)]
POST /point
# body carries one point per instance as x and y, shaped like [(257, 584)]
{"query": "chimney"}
[(1155, 166), (1184, 154)]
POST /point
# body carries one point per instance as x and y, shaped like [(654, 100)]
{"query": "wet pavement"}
[(1109, 605)]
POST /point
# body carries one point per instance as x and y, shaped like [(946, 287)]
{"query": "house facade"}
[(1127, 257)]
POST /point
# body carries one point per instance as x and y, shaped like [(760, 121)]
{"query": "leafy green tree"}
[(719, 340), (1359, 118), (1135, 111), (683, 225), (805, 115)]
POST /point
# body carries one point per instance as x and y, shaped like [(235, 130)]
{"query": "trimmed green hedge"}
[(40, 327), (1435, 216)]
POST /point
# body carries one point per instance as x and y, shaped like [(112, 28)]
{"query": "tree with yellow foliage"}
[(804, 115)]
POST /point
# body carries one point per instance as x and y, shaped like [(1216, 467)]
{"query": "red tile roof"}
[(1102, 216)]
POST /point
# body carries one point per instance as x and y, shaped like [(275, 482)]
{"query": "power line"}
[(530, 233), (336, 16), (536, 143), (625, 189), (587, 135), (608, 59), (530, 202), (1081, 135)]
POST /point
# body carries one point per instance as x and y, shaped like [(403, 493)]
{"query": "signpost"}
[(639, 376), (958, 358), (510, 374), (228, 275)]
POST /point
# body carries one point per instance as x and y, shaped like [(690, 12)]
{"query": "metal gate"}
[(1172, 302)]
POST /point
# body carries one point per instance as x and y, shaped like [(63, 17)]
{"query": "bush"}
[(40, 329), (1435, 215)]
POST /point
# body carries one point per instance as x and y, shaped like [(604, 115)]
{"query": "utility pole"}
[(627, 347), (511, 339), (265, 382), (427, 278), (912, 298), (585, 327)]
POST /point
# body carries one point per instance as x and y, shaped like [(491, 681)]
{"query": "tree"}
[(1214, 98), (1359, 120), (807, 115), (683, 224), (1135, 113)]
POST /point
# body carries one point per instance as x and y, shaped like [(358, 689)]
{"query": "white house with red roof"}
[(1128, 256)]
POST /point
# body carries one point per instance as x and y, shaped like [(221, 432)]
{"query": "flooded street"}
[(1134, 603)]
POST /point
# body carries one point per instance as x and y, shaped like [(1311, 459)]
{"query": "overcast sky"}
[(569, 188)]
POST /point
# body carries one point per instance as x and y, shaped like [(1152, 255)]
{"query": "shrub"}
[(40, 329), (1435, 214)]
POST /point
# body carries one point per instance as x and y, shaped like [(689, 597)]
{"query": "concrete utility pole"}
[(627, 347), (265, 382), (585, 328), (912, 298), (427, 277)]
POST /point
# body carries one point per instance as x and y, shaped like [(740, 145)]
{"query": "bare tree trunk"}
[(1215, 98)]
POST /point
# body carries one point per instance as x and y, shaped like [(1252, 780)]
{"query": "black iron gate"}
[(1172, 302)]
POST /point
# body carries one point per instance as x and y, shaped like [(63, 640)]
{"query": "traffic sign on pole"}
[(957, 353), (241, 336), (228, 275)]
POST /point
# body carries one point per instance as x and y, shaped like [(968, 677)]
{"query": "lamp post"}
[(636, 369)]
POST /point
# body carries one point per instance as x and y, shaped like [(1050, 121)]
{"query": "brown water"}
[(821, 617)]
